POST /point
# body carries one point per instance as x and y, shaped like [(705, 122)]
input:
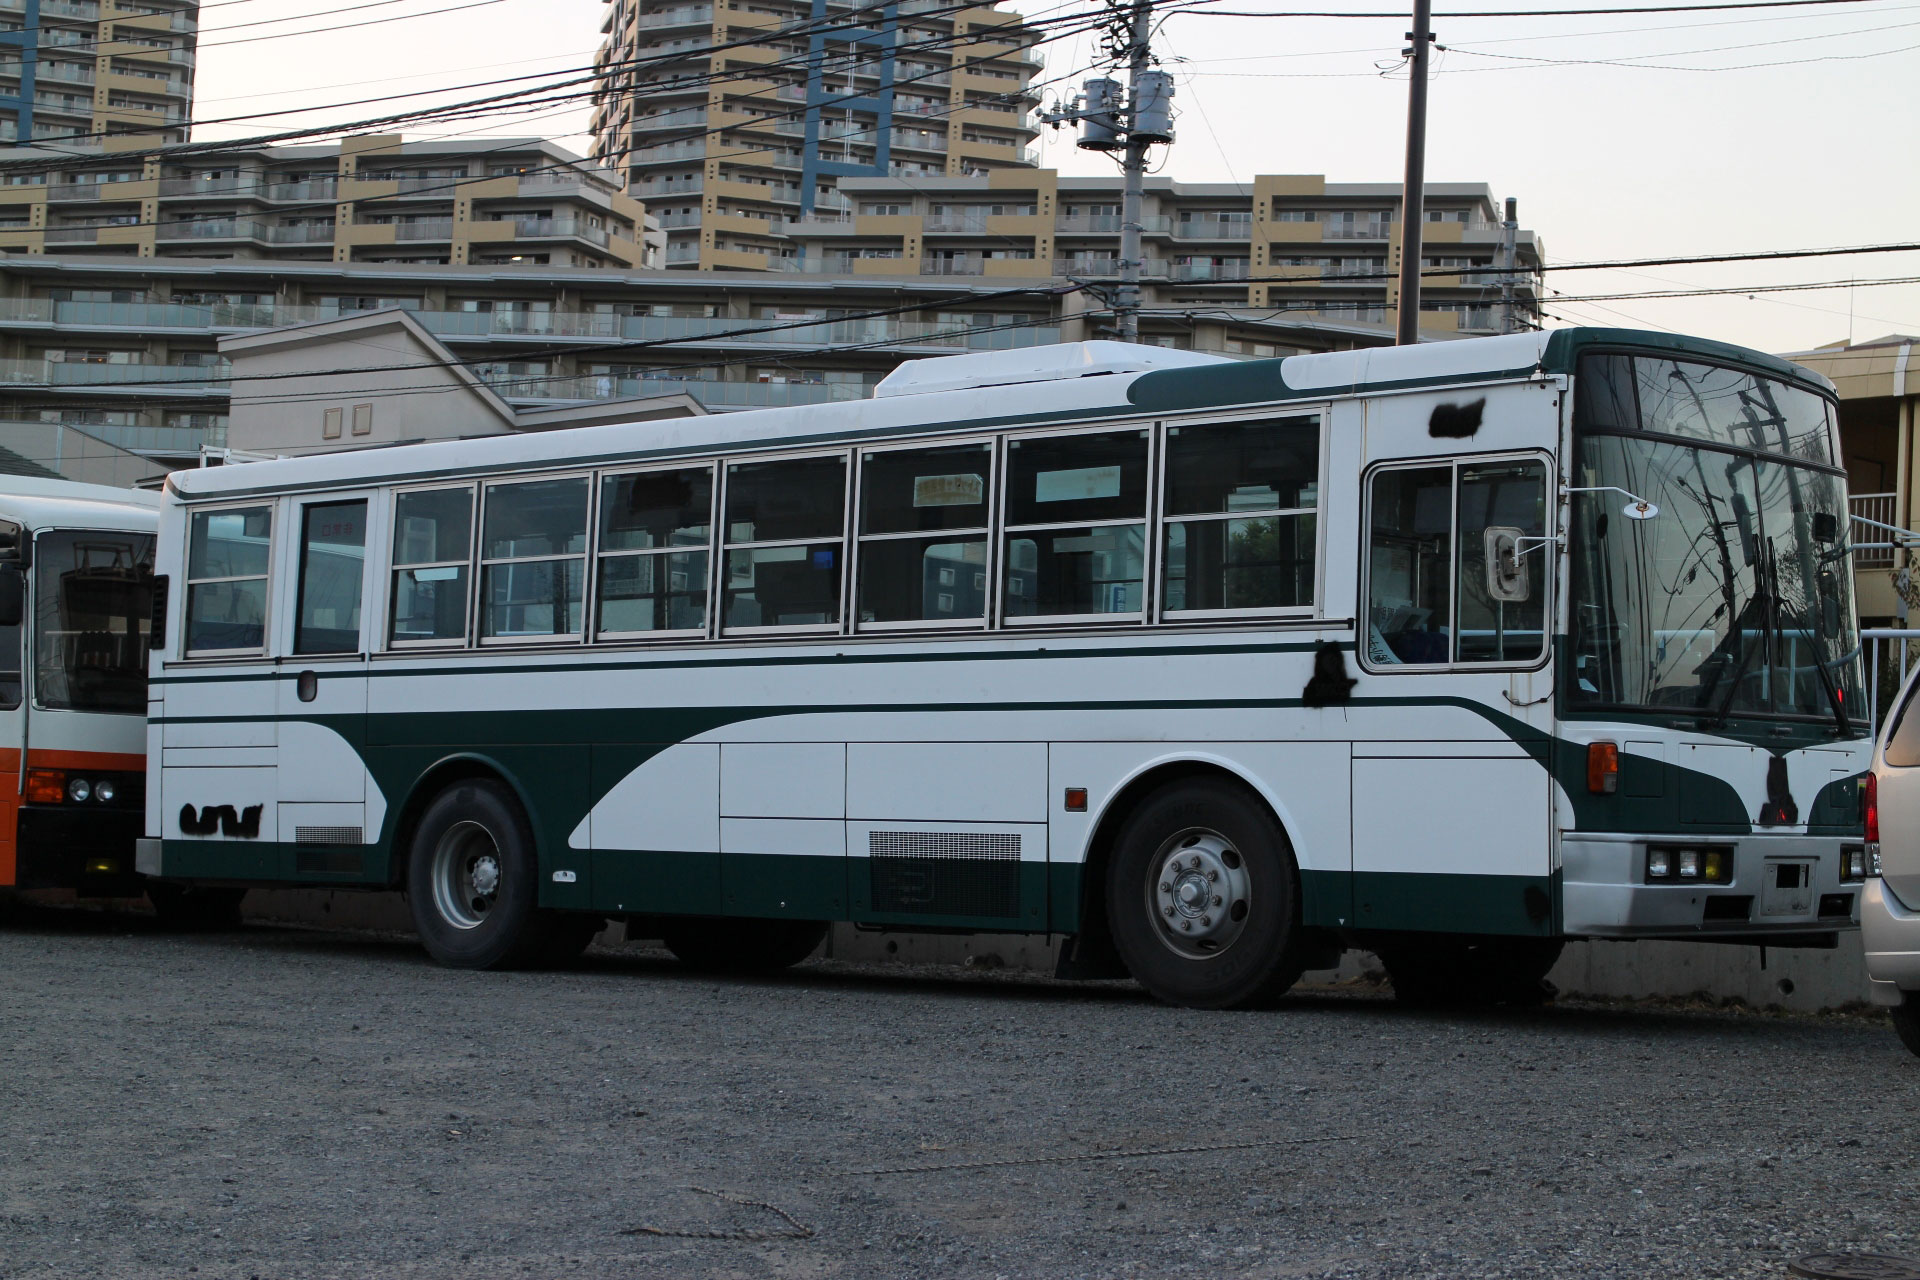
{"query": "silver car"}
[(1890, 908)]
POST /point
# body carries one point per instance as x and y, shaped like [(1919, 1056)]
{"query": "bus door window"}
[(1502, 510), (1409, 560), (93, 614), (227, 580), (1435, 527), (1076, 526), (333, 559), (653, 558), (533, 560), (785, 524), (923, 534), (432, 548), (1241, 500)]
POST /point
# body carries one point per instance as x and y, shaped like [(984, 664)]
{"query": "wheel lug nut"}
[(1166, 888), (1186, 926), (1166, 911), (1217, 901), (1206, 920)]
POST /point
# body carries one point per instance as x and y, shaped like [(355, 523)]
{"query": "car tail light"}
[(1870, 806)]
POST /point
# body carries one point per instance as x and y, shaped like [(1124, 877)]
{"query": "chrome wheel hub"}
[(1200, 895), (466, 875)]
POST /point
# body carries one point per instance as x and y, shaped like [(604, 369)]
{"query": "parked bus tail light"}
[(1603, 768), (1707, 865)]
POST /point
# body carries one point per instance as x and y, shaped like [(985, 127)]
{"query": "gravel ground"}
[(283, 1103)]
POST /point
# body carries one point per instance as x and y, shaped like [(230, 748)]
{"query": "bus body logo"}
[(221, 818)]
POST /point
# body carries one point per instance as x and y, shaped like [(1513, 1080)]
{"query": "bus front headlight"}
[(79, 790), (104, 791)]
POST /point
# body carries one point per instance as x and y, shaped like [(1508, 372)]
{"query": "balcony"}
[(424, 229), (1356, 230), (317, 189), (206, 186), (67, 9), (669, 221), (964, 265), (1213, 229), (695, 15), (73, 235), (307, 233), (1200, 272), (52, 373), (545, 228), (652, 190), (214, 229)]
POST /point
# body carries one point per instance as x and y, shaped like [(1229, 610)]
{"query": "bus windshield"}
[(1736, 598), (93, 606)]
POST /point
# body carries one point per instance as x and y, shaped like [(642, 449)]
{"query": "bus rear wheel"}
[(473, 881), (1203, 898), (1441, 969), (741, 946)]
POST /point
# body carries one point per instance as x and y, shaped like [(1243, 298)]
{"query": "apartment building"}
[(372, 199), (1284, 243), (80, 71), (736, 117), (126, 350)]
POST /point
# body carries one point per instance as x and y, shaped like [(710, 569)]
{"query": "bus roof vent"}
[(1034, 364)]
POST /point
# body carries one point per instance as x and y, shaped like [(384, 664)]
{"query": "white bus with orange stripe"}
[(76, 590)]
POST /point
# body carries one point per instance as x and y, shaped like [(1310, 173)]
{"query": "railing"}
[(424, 229), (310, 233), (63, 9), (1891, 653), (543, 227), (82, 191), (969, 266), (669, 221), (533, 181), (318, 189), (676, 17), (650, 189), (1191, 271), (213, 229), (205, 186), (1872, 546), (70, 72), (1214, 229), (976, 222), (72, 235), (1356, 231), (64, 374)]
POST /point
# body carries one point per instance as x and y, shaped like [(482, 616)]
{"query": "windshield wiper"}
[(1782, 609)]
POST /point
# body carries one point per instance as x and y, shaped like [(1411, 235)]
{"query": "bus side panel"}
[(1305, 784), (654, 835)]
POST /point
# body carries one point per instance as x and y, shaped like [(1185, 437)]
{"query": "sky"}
[(1622, 136)]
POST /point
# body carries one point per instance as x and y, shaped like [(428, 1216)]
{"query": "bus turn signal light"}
[(46, 786), (1603, 768)]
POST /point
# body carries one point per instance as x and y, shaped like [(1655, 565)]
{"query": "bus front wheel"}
[(1203, 898), (473, 881)]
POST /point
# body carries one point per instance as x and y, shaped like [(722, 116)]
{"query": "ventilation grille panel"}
[(945, 873), (327, 835)]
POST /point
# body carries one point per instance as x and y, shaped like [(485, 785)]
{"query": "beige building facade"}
[(81, 72), (373, 198), (733, 119)]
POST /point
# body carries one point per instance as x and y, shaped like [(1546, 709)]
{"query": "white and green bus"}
[(1212, 669)]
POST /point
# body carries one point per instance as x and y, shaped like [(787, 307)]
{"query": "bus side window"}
[(432, 548), (1241, 500), (227, 580), (1076, 543), (784, 525), (923, 534), (533, 559), (654, 530), (333, 559), (1409, 563)]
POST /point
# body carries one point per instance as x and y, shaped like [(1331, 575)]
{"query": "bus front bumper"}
[(89, 850), (1781, 885)]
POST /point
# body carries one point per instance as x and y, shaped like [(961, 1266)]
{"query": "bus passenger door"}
[(13, 711), (1452, 798), (329, 812)]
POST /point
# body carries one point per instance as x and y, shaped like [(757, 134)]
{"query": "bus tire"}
[(194, 908), (1203, 898), (1906, 1021), (1440, 969), (473, 880), (741, 945)]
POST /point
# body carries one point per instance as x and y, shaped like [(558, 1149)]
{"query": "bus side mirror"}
[(1507, 577), (13, 595), (1826, 527)]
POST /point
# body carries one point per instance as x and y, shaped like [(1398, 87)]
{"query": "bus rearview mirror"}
[(13, 595), (1507, 578)]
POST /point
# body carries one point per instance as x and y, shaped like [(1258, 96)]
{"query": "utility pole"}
[(1134, 170), (1105, 125), (1413, 195), (1509, 237)]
